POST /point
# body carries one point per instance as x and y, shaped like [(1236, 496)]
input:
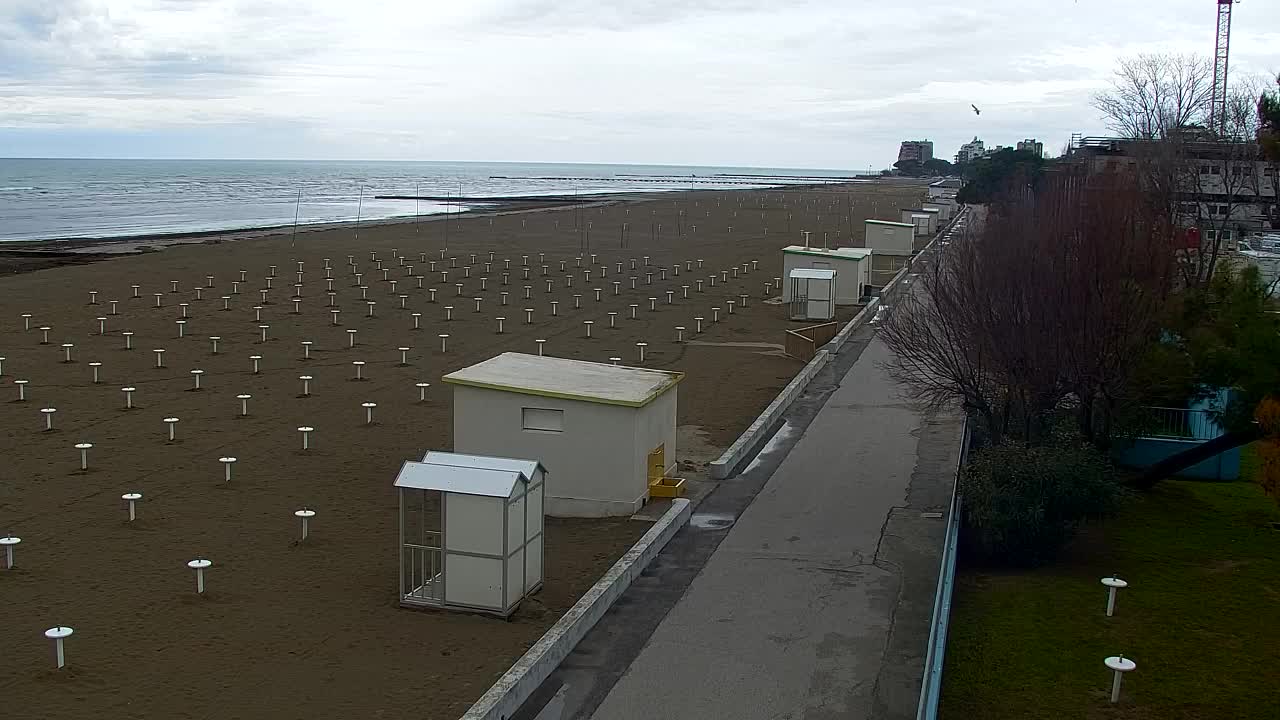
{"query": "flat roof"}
[(528, 468), (813, 274), (461, 480), (888, 222), (566, 379), (844, 253)]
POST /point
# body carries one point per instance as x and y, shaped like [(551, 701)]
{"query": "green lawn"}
[(1201, 617)]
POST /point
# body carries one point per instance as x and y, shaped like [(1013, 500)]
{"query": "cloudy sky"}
[(784, 83)]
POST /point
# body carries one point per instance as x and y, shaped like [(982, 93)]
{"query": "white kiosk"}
[(471, 531), (608, 431)]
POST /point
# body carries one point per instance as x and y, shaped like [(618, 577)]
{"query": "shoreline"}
[(22, 256), (144, 242)]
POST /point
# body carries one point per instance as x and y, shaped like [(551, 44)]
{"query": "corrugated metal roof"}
[(454, 479), (813, 274), (567, 379), (528, 468)]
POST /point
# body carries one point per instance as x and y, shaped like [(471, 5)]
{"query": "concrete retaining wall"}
[(514, 687), (748, 442)]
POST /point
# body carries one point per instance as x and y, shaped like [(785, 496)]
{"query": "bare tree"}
[(1047, 306), (1152, 96)]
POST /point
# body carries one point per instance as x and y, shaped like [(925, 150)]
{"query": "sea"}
[(54, 199)]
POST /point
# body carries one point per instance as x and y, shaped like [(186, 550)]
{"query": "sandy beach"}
[(312, 629)]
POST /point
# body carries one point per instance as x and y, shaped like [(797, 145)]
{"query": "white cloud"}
[(811, 83)]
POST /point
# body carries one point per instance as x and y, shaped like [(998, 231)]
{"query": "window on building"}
[(1210, 170), (1189, 208), (1211, 235), (542, 419), (1242, 171)]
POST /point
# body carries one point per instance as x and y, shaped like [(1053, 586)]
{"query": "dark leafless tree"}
[(1046, 305)]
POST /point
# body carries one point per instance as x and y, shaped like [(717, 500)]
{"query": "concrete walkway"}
[(816, 601)]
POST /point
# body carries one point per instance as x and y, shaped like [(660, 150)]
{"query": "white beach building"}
[(886, 237), (851, 265), (603, 431)]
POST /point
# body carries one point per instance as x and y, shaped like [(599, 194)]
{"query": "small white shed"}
[(886, 237), (471, 532), (812, 294), (944, 209), (920, 219), (936, 220), (851, 265), (606, 430)]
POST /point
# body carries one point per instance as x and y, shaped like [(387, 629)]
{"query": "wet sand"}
[(312, 629)]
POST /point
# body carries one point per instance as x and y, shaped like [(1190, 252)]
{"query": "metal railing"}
[(931, 685), (422, 572), (1179, 423)]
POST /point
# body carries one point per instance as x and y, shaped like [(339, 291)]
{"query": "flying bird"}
[(976, 111)]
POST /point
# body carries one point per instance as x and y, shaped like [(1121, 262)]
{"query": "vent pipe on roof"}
[(806, 234)]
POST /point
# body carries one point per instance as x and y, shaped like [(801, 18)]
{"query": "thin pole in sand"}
[(95, 366), (244, 403), (48, 418), (84, 455), (227, 462), (254, 359), (172, 422), (444, 339), (306, 431), (128, 396), (359, 366), (404, 356), (200, 565), (359, 211), (304, 515), (422, 390), (297, 206), (368, 411), (306, 385), (132, 499), (57, 635)]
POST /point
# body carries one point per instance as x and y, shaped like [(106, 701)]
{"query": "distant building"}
[(920, 151), (1225, 191), (970, 151), (1033, 145)]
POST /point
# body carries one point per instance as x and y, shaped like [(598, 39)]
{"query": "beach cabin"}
[(812, 294), (948, 186), (920, 219), (471, 532), (943, 209), (852, 267), (886, 237), (608, 432)]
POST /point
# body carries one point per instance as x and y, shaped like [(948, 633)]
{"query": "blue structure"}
[(1175, 430)]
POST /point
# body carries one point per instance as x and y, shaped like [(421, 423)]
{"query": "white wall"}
[(473, 524), (889, 239), (656, 425), (590, 472)]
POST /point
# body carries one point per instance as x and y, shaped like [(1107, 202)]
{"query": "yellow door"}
[(657, 463)]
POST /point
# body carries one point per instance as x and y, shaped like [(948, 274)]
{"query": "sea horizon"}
[(45, 199)]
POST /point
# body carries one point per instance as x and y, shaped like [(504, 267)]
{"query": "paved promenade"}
[(804, 586)]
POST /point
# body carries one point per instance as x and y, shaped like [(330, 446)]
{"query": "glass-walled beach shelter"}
[(471, 532), (812, 294)]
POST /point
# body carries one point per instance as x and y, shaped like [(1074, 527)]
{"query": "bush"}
[(1023, 504)]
